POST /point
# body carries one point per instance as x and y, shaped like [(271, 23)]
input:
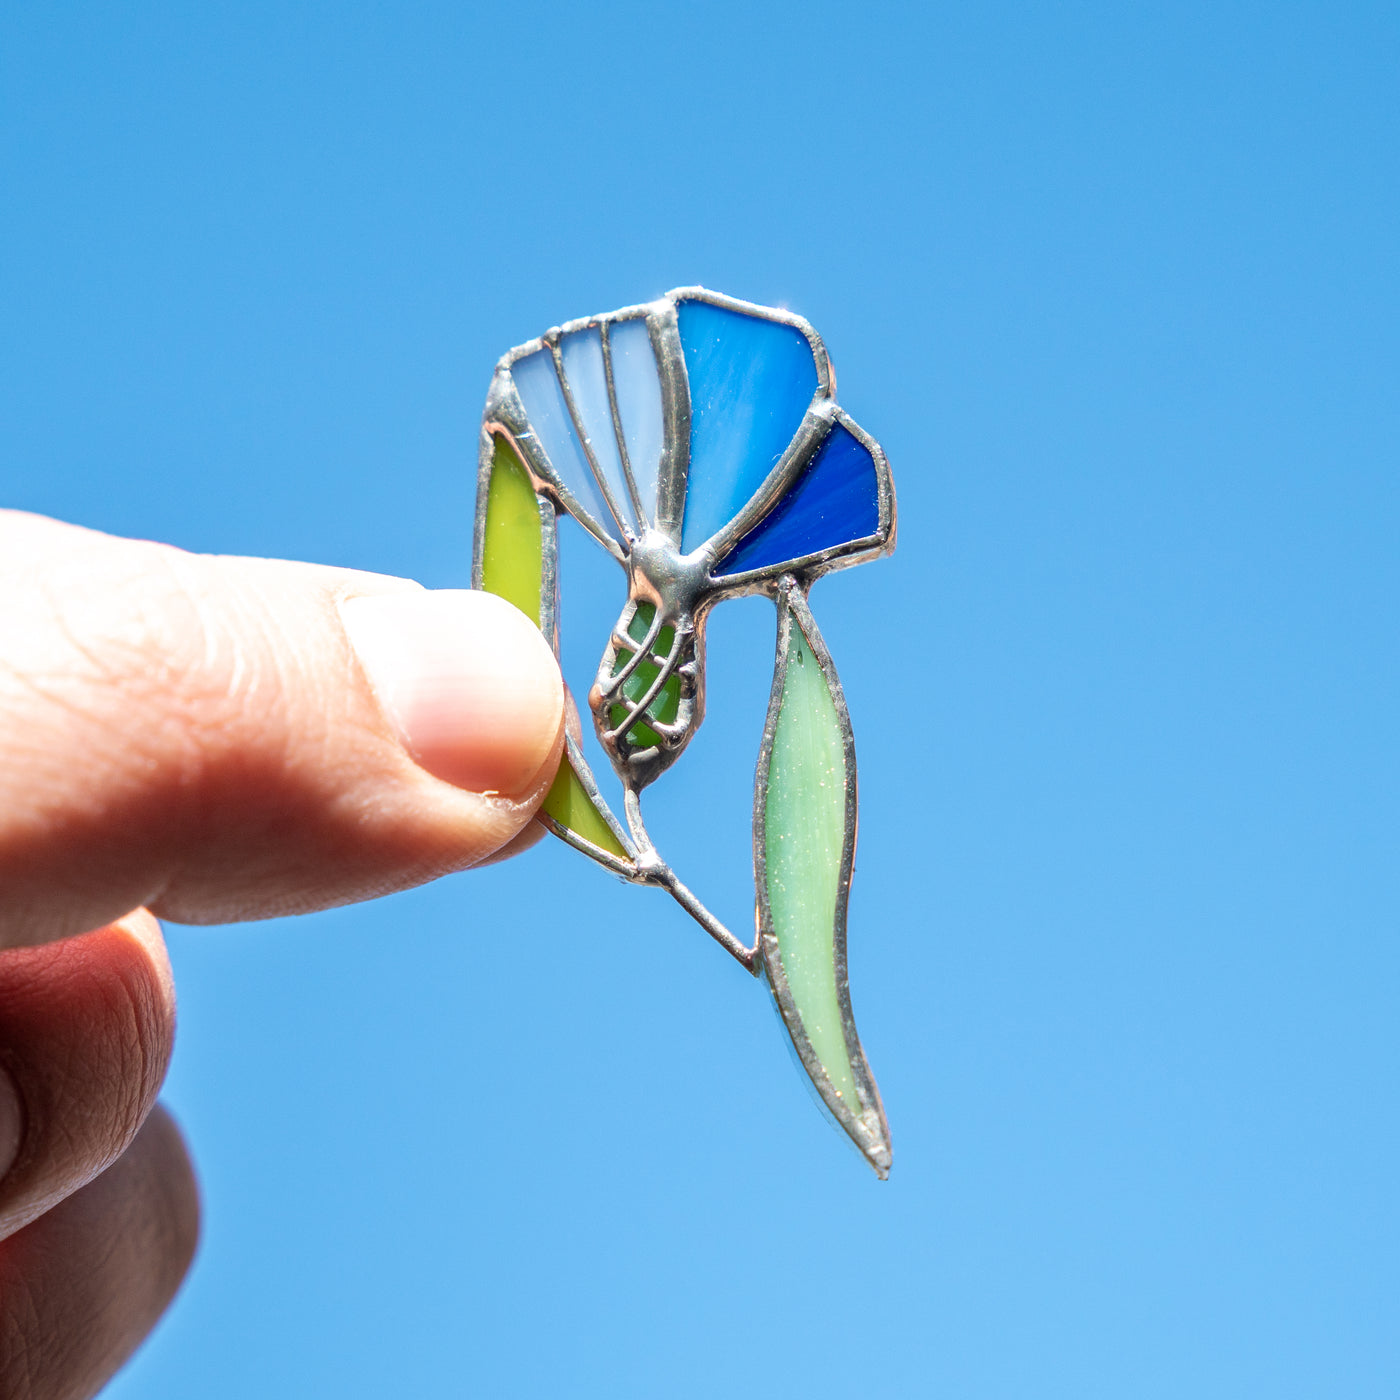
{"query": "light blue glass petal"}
[(582, 353), (751, 381), (834, 501), (539, 391), (638, 390)]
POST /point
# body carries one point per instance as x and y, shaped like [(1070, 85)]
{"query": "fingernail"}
[(468, 680), (11, 1123)]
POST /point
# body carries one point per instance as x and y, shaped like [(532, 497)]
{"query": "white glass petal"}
[(638, 390), (582, 354), (539, 390)]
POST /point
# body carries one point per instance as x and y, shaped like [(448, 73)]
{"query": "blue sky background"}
[(1116, 286)]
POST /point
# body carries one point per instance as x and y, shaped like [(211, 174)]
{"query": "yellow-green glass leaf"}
[(512, 556), (569, 804), (512, 566), (804, 848)]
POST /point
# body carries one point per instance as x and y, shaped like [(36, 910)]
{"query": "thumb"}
[(220, 738)]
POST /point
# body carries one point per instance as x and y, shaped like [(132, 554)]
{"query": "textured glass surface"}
[(638, 391), (834, 501), (582, 353), (751, 381), (667, 702), (511, 558), (569, 804), (539, 390), (804, 833)]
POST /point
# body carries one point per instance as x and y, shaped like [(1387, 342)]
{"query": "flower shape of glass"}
[(698, 440)]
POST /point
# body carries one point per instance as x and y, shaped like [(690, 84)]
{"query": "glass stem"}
[(653, 870)]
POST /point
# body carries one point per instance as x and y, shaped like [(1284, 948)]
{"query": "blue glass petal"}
[(751, 381), (582, 354), (638, 389), (539, 390), (834, 501)]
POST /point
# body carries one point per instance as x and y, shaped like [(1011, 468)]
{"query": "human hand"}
[(204, 739)]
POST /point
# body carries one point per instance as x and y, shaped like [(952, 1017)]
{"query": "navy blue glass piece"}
[(835, 501), (751, 381)]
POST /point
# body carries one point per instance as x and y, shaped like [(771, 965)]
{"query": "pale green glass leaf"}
[(804, 838), (805, 813)]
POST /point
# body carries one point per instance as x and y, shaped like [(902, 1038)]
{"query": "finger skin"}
[(532, 835), (83, 1285), (196, 735), (86, 1030)]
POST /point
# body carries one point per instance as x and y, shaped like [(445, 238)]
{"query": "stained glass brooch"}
[(697, 440)]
